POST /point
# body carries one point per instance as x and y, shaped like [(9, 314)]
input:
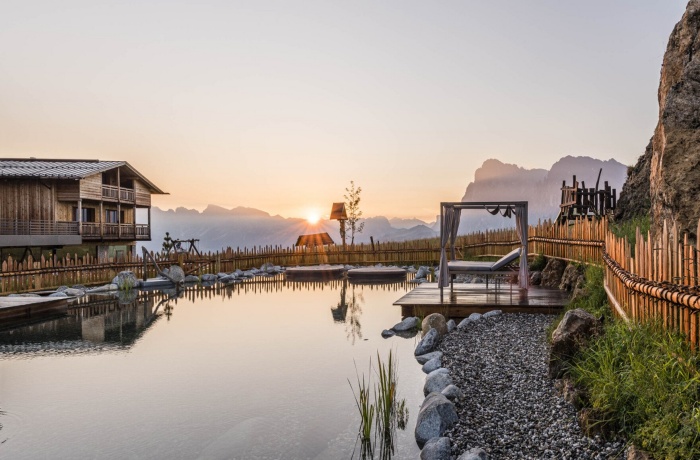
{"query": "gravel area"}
[(510, 408)]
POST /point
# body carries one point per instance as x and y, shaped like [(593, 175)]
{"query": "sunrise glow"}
[(313, 217)]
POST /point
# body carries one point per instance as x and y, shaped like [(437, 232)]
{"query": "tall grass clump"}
[(366, 410), (386, 413), (643, 381)]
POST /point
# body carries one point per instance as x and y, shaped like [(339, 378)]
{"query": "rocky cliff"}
[(670, 168)]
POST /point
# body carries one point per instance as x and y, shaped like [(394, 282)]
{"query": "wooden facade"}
[(70, 202)]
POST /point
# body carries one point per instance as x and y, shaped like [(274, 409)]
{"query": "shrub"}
[(539, 263)]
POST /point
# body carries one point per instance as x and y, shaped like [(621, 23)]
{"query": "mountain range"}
[(217, 227)]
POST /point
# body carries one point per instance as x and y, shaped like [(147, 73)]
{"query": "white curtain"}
[(456, 214), (521, 229), (447, 226)]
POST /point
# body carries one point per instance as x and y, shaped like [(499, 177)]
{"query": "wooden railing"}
[(93, 231), (37, 227), (114, 193)]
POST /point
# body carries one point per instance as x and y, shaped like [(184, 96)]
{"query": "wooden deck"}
[(22, 308), (465, 299)]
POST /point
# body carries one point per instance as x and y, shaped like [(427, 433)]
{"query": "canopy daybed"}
[(450, 213)]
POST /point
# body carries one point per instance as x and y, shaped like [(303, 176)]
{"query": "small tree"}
[(167, 243), (352, 208)]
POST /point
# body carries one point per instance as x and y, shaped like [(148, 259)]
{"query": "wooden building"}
[(56, 203)]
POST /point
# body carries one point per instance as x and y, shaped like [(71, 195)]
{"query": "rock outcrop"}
[(670, 167), (573, 332)]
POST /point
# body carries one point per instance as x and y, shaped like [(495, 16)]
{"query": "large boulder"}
[(126, 280), (407, 324), (573, 332), (176, 274), (433, 364), (427, 343), (452, 392), (535, 278), (423, 272), (435, 321), (436, 381), (437, 415), (551, 275), (572, 277), (437, 449), (422, 359)]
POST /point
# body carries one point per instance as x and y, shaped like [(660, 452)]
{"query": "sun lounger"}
[(501, 267)]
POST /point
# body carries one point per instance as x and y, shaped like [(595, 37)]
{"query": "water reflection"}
[(97, 323), (117, 321), (112, 355)]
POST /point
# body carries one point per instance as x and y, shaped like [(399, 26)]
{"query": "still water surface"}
[(258, 370)]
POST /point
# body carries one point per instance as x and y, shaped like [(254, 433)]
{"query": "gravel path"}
[(510, 408)]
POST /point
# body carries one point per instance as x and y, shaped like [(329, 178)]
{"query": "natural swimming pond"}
[(253, 370)]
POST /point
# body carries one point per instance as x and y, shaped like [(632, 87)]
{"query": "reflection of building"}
[(54, 203), (102, 322)]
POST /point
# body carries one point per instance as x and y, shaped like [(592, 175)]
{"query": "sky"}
[(279, 105)]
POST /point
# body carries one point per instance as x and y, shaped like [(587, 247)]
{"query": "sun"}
[(313, 217)]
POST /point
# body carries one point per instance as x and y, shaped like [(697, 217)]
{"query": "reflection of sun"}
[(313, 217)]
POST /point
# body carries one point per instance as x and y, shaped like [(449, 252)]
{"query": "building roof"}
[(32, 168), (314, 239)]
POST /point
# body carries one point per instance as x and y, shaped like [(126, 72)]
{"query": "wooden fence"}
[(31, 275), (652, 279), (655, 279)]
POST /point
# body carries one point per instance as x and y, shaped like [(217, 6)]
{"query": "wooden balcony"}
[(99, 231), (17, 233), (112, 193)]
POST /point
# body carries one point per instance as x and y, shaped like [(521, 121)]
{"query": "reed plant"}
[(366, 410), (385, 414), (643, 381)]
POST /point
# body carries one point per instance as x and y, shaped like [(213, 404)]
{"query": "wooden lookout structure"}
[(338, 213), (579, 202)]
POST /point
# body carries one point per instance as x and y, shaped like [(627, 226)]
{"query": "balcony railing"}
[(112, 193), (90, 230), (37, 227), (116, 231)]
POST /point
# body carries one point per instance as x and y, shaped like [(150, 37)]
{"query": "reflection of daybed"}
[(502, 266)]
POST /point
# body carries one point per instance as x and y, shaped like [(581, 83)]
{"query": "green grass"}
[(645, 382), (628, 229)]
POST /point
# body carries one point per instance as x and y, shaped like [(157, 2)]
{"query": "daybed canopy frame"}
[(450, 213)]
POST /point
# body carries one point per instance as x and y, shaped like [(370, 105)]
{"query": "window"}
[(111, 216), (88, 214)]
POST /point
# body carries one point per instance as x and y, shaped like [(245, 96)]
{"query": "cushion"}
[(506, 259)]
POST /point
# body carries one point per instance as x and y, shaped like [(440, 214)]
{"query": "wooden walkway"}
[(465, 299), (23, 308)]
